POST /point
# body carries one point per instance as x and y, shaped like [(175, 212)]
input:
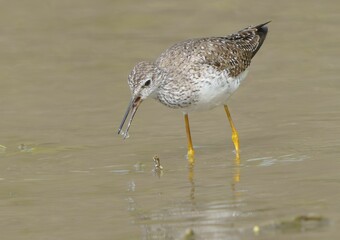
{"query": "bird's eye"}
[(147, 83)]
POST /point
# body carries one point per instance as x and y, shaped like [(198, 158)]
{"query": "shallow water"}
[(66, 174)]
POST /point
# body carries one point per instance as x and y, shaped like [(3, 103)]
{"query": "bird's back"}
[(232, 53)]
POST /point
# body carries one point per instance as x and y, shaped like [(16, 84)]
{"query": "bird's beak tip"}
[(132, 108)]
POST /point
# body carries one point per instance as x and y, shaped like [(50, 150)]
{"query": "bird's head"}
[(143, 80)]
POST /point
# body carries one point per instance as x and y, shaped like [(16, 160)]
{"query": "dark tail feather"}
[(262, 31)]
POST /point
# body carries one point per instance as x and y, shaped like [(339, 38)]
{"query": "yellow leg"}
[(191, 151), (234, 135), (237, 172), (236, 176)]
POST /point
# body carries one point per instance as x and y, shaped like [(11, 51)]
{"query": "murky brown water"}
[(65, 174)]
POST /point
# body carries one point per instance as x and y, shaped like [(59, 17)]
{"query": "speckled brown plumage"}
[(232, 53)]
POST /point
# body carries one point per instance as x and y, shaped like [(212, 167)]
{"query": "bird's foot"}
[(191, 156)]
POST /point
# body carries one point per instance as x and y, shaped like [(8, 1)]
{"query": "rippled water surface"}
[(66, 174)]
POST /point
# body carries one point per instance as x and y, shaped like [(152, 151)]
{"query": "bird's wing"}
[(234, 52)]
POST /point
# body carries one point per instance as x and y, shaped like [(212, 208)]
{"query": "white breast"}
[(216, 89)]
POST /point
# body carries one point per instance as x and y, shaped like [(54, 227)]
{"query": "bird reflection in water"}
[(236, 176)]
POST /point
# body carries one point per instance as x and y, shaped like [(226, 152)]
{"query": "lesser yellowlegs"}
[(196, 74)]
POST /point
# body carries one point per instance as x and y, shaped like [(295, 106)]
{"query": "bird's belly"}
[(216, 90)]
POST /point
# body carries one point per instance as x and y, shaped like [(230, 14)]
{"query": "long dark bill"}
[(133, 106)]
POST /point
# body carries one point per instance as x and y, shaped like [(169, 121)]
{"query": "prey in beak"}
[(131, 109)]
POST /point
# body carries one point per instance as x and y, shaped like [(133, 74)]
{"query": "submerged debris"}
[(158, 169), (256, 229), (300, 223), (157, 162), (189, 234), (25, 148), (2, 149)]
